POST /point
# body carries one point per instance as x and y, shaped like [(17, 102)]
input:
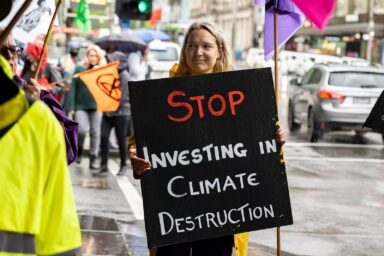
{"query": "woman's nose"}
[(199, 50)]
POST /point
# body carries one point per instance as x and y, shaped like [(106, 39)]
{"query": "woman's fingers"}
[(139, 165), (281, 135)]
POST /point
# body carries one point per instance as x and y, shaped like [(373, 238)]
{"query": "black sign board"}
[(216, 167), (375, 119)]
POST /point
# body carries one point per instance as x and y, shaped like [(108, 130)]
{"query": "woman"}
[(204, 51), (119, 119), (82, 102)]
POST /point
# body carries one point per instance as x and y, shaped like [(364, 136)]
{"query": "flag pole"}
[(64, 79), (14, 20), (47, 39), (276, 60)]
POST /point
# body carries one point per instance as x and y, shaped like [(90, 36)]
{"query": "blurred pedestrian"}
[(11, 53), (67, 63), (119, 119), (38, 212), (82, 103), (204, 51), (66, 66), (47, 73), (138, 65)]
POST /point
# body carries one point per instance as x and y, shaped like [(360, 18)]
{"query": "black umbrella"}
[(121, 42)]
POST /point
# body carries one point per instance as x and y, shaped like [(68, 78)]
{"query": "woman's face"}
[(201, 52), (93, 57), (9, 54)]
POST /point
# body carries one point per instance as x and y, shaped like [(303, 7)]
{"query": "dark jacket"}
[(124, 107), (79, 97)]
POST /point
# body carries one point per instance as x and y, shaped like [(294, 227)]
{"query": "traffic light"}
[(134, 9)]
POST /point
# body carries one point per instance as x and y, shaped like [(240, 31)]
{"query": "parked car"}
[(161, 58), (334, 97), (255, 58)]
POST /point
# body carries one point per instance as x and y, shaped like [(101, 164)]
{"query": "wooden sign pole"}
[(276, 60), (45, 46)]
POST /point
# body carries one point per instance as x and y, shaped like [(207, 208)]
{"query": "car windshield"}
[(167, 54), (357, 79)]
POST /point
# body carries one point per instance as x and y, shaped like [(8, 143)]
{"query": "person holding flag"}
[(204, 51), (119, 119), (82, 104), (11, 53)]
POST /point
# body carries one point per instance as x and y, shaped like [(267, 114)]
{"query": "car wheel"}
[(312, 131), (292, 125)]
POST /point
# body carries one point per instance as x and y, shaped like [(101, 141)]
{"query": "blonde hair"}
[(222, 64), (101, 59)]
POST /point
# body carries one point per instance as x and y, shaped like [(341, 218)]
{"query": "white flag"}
[(34, 21)]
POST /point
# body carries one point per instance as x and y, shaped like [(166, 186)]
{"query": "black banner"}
[(216, 166), (375, 119)]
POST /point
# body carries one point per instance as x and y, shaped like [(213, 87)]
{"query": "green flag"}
[(82, 19)]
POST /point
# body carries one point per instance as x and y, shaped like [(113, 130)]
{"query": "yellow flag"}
[(104, 85)]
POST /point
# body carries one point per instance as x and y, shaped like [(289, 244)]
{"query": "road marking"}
[(331, 145), (130, 193), (335, 159), (303, 169)]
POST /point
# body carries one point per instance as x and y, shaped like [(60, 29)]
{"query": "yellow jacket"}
[(37, 203)]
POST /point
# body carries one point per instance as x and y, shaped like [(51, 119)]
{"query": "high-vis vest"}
[(37, 208)]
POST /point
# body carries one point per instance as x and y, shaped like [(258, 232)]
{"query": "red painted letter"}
[(179, 104), (199, 105), (223, 105), (232, 102)]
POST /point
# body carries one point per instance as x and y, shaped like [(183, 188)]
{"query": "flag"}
[(375, 119), (82, 19), (34, 21), (289, 20), (318, 12), (104, 85)]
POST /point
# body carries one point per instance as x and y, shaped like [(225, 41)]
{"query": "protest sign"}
[(375, 119), (216, 166)]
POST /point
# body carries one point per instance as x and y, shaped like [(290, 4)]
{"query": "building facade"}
[(235, 17), (356, 30)]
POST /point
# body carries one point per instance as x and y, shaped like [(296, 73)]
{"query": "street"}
[(336, 190)]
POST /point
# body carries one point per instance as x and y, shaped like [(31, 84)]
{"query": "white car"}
[(255, 58), (161, 58)]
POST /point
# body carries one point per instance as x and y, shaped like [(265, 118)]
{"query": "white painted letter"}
[(162, 226), (169, 187)]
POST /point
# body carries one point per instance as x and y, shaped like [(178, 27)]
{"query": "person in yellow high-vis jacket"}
[(204, 51), (38, 214)]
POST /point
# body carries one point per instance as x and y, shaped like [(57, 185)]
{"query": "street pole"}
[(371, 30), (112, 16), (234, 11)]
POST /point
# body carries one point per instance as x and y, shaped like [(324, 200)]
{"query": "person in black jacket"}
[(120, 119)]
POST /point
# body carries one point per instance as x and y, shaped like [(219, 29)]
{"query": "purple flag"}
[(319, 11), (289, 21)]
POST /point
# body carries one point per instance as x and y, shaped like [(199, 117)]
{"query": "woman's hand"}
[(281, 135), (33, 89), (139, 165)]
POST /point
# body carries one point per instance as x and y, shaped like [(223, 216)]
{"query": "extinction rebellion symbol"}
[(110, 85)]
